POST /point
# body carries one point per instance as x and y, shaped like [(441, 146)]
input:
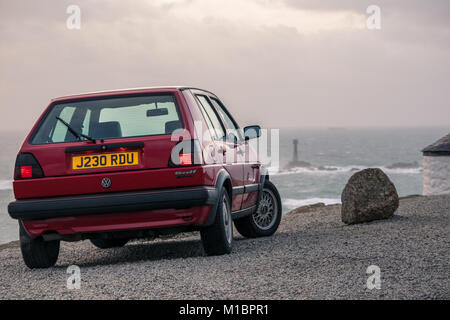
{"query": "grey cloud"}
[(273, 76), (435, 12)]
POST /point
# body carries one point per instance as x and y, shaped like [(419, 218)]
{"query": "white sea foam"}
[(315, 170), (5, 184), (295, 203), (417, 170), (336, 169)]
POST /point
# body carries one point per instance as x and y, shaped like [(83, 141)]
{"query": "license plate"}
[(95, 161)]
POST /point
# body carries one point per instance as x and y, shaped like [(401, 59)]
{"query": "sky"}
[(279, 63)]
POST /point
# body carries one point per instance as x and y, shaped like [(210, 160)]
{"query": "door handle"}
[(255, 166)]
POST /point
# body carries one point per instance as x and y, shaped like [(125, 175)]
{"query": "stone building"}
[(436, 167)]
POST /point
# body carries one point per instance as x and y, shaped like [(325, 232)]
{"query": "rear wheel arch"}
[(228, 187), (223, 181)]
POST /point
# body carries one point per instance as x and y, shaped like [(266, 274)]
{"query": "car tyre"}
[(217, 239), (37, 253), (265, 221), (109, 243)]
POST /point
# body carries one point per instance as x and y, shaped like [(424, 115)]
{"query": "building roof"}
[(442, 146)]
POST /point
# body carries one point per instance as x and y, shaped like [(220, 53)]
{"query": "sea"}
[(334, 154)]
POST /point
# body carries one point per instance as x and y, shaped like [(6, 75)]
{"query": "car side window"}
[(216, 128), (231, 126)]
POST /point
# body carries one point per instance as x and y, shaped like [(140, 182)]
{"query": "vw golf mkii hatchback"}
[(138, 163)]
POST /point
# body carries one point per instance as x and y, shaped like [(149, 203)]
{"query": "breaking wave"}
[(337, 169)]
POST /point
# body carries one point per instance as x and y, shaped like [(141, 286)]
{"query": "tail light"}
[(27, 167), (186, 153), (186, 159)]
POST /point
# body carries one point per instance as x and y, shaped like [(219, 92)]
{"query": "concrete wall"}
[(436, 175)]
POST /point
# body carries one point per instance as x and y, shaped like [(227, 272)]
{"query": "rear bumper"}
[(82, 205)]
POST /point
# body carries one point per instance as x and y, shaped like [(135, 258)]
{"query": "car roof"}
[(126, 91)]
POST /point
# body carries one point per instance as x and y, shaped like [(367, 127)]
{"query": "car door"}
[(237, 146), (245, 156), (226, 150)]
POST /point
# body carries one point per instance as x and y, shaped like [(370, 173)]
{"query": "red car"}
[(120, 165)]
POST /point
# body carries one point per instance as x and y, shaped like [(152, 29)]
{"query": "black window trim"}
[(215, 112), (227, 113)]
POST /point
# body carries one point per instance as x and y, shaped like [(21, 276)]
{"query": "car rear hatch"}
[(102, 144)]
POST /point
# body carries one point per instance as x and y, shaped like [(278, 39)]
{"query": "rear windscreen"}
[(110, 118)]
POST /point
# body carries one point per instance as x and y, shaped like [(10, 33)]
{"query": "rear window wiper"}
[(77, 134)]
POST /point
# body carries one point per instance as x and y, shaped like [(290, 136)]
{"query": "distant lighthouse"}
[(295, 163), (295, 142)]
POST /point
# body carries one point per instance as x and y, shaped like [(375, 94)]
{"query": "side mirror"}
[(252, 132)]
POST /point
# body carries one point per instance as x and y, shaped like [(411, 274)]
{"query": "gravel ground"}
[(312, 256)]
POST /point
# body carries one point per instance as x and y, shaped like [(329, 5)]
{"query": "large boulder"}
[(369, 195)]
